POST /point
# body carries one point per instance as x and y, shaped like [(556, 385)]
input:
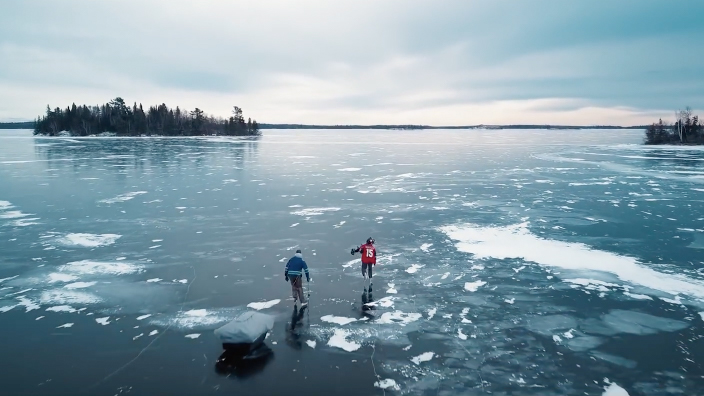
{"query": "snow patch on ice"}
[(424, 357), (89, 267), (414, 268), (392, 289), (62, 308), (59, 277), (474, 286), (152, 280), (103, 321), (311, 343), (66, 297), (424, 247), (142, 317), (341, 320), (192, 336), (614, 390), (123, 197), (339, 340), (398, 317), (387, 384), (517, 241), (79, 285), (431, 313), (637, 296), (263, 305), (88, 240), (314, 211), (65, 326), (350, 169)]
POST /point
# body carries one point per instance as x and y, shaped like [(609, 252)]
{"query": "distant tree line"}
[(686, 130), (17, 125), (123, 120)]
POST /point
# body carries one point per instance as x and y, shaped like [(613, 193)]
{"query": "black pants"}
[(368, 269)]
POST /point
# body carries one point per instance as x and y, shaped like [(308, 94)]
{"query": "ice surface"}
[(263, 305), (516, 241), (88, 240), (424, 357), (614, 390), (192, 336), (339, 340), (633, 322), (474, 286), (614, 359), (702, 315), (387, 384), (337, 319)]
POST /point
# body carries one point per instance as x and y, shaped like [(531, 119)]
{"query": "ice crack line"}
[(374, 367), (153, 341)]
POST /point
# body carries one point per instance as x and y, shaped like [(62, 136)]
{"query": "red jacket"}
[(368, 253)]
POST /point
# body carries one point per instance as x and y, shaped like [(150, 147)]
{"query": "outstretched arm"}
[(305, 269)]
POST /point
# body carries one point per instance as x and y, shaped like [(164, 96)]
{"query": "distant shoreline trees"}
[(686, 130), (123, 120)]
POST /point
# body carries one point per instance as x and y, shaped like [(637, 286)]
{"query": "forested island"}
[(117, 118), (686, 130)]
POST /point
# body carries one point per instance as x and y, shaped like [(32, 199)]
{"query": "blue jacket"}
[(296, 266)]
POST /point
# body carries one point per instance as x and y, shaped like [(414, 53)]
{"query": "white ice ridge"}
[(263, 305), (516, 241), (89, 240), (123, 197), (5, 205)]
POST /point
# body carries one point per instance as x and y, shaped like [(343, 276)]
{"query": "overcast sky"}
[(360, 62)]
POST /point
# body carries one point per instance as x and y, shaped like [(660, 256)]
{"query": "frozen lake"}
[(511, 262)]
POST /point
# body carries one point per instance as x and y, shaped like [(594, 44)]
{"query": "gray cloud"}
[(363, 61)]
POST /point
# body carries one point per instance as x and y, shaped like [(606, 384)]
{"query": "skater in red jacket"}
[(368, 257)]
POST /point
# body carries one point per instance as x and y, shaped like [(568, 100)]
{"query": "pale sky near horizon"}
[(449, 62)]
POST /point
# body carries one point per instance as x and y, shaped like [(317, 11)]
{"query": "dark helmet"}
[(370, 240)]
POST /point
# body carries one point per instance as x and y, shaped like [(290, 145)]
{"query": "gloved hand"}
[(286, 279), (352, 252)]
